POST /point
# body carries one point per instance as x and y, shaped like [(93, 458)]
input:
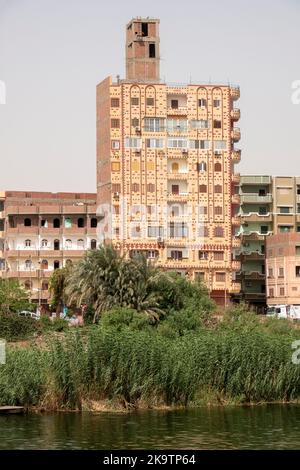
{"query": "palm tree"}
[(105, 279)]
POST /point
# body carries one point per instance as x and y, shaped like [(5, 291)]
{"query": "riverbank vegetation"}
[(151, 340)]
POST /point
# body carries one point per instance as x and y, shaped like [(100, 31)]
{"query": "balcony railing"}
[(180, 111), (255, 180), (235, 92), (256, 217), (236, 134), (255, 198), (235, 114), (236, 155)]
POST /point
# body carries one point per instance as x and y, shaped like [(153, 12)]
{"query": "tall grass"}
[(137, 367)]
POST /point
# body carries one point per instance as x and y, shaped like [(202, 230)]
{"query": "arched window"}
[(94, 222), (80, 244), (202, 188), (27, 243), (80, 222), (45, 285), (218, 188), (27, 222), (175, 167), (56, 245), (56, 223), (44, 264), (218, 167), (27, 285), (56, 265), (44, 243), (93, 244), (68, 244), (202, 166), (219, 232), (28, 264)]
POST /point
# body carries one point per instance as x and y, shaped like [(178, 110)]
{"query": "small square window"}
[(174, 104), (217, 103), (134, 101), (115, 144), (202, 103), (115, 103), (115, 123), (150, 101)]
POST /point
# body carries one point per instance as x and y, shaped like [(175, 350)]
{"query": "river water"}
[(257, 427)]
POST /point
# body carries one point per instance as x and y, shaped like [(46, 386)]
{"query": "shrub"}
[(13, 327)]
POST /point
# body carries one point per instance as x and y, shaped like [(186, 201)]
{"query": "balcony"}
[(235, 199), (236, 155), (236, 242), (256, 217), (256, 180), (235, 93), (235, 288), (178, 175), (236, 134), (177, 153), (236, 265), (255, 198), (21, 253), (180, 197), (23, 210), (180, 111), (235, 114), (254, 276), (23, 230), (255, 296), (253, 236), (236, 178), (251, 256)]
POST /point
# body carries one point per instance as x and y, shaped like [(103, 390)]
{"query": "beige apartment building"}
[(41, 232), (283, 269), (165, 166), (270, 205)]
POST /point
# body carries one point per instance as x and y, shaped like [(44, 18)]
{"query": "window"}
[(220, 277), (135, 122), (80, 244), (281, 291), (27, 285), (202, 255), (284, 229), (155, 143), (68, 244), (152, 254), (218, 255), (218, 167), (271, 292), (151, 187), (174, 104), (116, 188), (177, 143), (281, 272), (284, 210), (44, 223), (199, 144), (115, 145), (115, 123), (150, 101), (297, 250), (132, 142), (178, 230), (175, 189), (27, 243), (220, 144), (27, 222), (94, 222), (116, 209), (298, 189), (201, 124), (136, 231), (114, 102), (44, 243), (218, 210), (271, 272), (80, 222), (68, 222), (155, 231), (262, 210), (176, 255), (44, 264), (28, 264), (217, 103), (217, 124), (135, 187), (218, 188), (56, 245), (201, 166), (202, 188), (264, 229), (202, 103), (135, 101), (151, 50), (56, 264), (56, 223), (199, 276), (177, 125), (219, 232), (262, 192), (154, 124), (45, 285), (144, 29), (93, 244)]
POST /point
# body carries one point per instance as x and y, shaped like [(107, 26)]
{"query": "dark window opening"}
[(144, 29), (27, 222), (56, 223), (94, 222), (174, 104), (80, 222), (56, 264), (56, 244), (93, 244), (152, 50), (262, 192)]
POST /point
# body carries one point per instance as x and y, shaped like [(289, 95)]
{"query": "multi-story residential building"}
[(269, 205), (283, 269), (165, 166), (41, 232)]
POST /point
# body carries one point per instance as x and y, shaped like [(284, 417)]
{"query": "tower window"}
[(144, 29), (151, 50), (134, 101), (27, 222), (115, 102)]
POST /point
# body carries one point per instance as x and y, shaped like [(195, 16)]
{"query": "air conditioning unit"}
[(137, 129), (184, 150), (116, 194), (218, 152)]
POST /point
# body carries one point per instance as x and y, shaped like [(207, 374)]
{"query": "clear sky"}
[(54, 52)]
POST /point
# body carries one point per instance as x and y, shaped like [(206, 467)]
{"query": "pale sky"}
[(54, 52)]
